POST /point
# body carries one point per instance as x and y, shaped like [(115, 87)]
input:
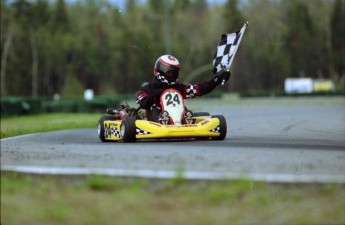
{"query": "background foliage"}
[(62, 47)]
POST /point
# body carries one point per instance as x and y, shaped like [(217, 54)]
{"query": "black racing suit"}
[(148, 97)]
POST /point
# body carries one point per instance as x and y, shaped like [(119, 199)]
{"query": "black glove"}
[(218, 79), (111, 111)]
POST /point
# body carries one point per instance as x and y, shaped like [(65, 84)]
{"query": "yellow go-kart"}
[(129, 124)]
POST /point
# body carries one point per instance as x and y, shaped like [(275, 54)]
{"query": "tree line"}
[(50, 47)]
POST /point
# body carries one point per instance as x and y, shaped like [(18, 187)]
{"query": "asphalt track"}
[(275, 140)]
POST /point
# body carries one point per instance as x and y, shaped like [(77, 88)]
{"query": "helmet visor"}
[(172, 75), (170, 72)]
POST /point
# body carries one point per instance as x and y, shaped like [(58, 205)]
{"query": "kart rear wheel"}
[(196, 114), (128, 129), (101, 130), (222, 127)]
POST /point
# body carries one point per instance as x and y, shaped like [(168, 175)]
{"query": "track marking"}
[(190, 175)]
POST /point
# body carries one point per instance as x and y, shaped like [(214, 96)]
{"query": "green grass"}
[(28, 199), (20, 125)]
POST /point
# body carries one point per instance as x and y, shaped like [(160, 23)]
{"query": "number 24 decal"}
[(172, 99)]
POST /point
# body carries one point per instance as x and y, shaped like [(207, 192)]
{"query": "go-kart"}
[(175, 122)]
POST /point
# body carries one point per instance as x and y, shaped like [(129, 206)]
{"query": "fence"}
[(11, 106)]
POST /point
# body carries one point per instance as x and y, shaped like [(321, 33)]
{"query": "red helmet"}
[(167, 69)]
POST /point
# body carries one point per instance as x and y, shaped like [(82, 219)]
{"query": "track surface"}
[(286, 140)]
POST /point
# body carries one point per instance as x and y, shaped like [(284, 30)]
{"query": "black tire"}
[(202, 138), (222, 126), (101, 130), (201, 114), (128, 129)]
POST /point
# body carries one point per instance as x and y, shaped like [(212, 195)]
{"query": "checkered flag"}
[(226, 50), (115, 132), (141, 132), (216, 130)]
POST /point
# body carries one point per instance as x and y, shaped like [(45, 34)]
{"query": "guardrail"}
[(12, 106)]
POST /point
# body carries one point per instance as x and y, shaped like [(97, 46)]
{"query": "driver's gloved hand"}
[(111, 111), (218, 79)]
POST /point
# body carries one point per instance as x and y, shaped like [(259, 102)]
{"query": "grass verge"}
[(35, 199), (20, 125)]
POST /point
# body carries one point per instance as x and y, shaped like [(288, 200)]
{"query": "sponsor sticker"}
[(204, 122), (156, 124)]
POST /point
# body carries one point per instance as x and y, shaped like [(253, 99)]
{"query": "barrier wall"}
[(11, 106)]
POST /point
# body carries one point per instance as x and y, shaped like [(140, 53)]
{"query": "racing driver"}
[(166, 73)]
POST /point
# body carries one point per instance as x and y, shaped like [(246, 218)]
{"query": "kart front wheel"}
[(128, 129), (101, 130), (222, 127)]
